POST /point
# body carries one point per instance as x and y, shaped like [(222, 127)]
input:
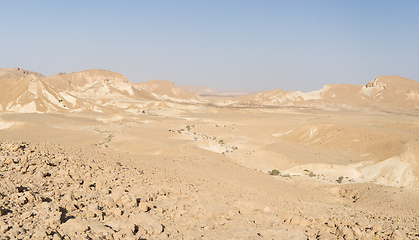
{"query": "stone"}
[(4, 228), (398, 235), (74, 226), (143, 206), (56, 236), (299, 221), (15, 231), (377, 228), (145, 221), (114, 224), (288, 233), (108, 202), (357, 232), (347, 233), (99, 228)]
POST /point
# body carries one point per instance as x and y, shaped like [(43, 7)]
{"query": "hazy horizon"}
[(241, 45)]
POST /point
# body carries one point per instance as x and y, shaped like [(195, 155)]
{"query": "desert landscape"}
[(90, 155)]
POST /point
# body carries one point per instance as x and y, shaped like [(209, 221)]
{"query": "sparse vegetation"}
[(109, 138), (221, 142), (311, 174), (106, 140)]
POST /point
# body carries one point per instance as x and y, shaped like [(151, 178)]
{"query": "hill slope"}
[(382, 92), (30, 94), (167, 91), (13, 73), (96, 89)]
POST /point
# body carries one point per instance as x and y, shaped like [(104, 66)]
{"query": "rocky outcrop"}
[(13, 73)]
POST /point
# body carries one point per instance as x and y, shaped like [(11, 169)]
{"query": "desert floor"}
[(202, 173)]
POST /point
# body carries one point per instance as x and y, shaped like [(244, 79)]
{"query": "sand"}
[(164, 184), (176, 170)]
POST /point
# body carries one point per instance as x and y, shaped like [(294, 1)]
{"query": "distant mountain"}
[(105, 91), (207, 91), (198, 90), (167, 91), (382, 92)]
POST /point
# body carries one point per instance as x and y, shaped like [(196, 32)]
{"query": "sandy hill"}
[(343, 92), (382, 92), (103, 88), (13, 73), (31, 94), (394, 91), (89, 90), (205, 91), (273, 97), (167, 91), (96, 83), (96, 90), (199, 90)]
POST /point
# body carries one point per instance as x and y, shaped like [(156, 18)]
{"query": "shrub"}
[(340, 179), (274, 172)]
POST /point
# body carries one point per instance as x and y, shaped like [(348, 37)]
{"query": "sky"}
[(224, 44)]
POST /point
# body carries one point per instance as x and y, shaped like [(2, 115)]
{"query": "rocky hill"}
[(30, 94), (166, 90), (13, 73), (105, 91), (384, 92), (89, 90)]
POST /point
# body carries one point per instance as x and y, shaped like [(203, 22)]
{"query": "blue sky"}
[(232, 44)]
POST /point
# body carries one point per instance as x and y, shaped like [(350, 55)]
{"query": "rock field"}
[(55, 192)]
